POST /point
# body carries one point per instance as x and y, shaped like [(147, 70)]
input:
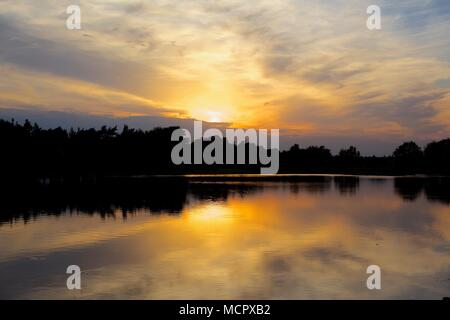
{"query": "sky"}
[(308, 67)]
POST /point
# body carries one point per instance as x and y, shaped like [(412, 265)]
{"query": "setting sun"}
[(209, 115), (214, 116)]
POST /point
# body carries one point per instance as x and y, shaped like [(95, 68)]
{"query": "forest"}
[(33, 153)]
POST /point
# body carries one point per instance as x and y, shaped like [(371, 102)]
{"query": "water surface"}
[(231, 238)]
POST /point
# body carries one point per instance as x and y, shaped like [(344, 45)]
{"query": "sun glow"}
[(211, 213), (213, 114)]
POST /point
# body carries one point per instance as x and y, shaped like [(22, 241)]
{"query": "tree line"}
[(408, 158), (29, 151)]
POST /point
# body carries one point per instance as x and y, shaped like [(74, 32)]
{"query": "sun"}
[(211, 108), (214, 116)]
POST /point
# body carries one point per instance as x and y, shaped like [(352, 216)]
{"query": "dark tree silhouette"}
[(312, 158), (437, 156), (31, 153), (349, 158), (350, 153), (408, 158)]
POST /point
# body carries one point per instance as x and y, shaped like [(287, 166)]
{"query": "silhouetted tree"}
[(408, 158), (313, 158), (350, 153), (437, 156), (31, 152)]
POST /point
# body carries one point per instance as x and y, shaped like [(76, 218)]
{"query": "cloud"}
[(310, 67)]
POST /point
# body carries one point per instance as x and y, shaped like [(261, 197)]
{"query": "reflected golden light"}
[(217, 213), (265, 244)]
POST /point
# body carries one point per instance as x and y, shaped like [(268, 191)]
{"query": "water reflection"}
[(346, 184), (435, 189), (230, 237), (171, 194)]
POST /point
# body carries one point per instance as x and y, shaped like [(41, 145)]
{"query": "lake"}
[(229, 237)]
